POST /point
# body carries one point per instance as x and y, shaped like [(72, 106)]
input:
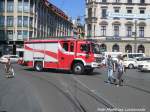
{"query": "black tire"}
[(78, 68), (38, 66), (130, 66)]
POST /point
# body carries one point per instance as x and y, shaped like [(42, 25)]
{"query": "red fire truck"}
[(79, 56)]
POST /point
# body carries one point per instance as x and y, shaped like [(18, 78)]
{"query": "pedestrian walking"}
[(9, 69), (110, 69), (120, 69)]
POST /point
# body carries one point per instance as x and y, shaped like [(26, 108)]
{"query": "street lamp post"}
[(135, 37)]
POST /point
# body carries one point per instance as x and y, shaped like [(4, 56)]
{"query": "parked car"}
[(130, 63), (13, 58), (144, 66), (142, 60)]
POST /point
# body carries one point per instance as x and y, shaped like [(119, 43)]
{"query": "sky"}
[(73, 8)]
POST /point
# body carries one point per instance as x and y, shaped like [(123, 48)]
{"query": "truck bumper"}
[(93, 65)]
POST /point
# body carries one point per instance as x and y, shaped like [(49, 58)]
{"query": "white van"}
[(114, 55), (134, 55)]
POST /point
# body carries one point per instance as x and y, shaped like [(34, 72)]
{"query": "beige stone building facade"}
[(25, 19), (123, 34)]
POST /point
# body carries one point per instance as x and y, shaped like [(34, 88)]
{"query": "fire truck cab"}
[(79, 56)]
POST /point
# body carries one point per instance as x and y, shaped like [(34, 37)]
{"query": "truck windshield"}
[(96, 49)]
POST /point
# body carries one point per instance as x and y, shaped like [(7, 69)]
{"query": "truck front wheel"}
[(38, 66), (78, 68)]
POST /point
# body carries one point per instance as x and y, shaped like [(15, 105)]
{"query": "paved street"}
[(58, 91)]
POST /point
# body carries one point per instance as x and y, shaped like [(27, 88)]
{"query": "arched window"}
[(128, 49), (103, 48), (115, 48), (141, 49)]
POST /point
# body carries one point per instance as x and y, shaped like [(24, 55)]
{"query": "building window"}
[(2, 6), (10, 6), (117, 1), (142, 11), (20, 7), (104, 11), (115, 48), (129, 31), (30, 33), (94, 12), (25, 21), (116, 10), (103, 30), (141, 49), (141, 31), (90, 12), (129, 11), (10, 20), (25, 34), (19, 21), (2, 34), (31, 5), (116, 30), (89, 32), (129, 1), (104, 1), (19, 33), (142, 1), (128, 49), (31, 21), (26, 7), (2, 20), (10, 34)]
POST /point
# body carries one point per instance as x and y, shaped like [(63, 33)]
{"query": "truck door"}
[(85, 52), (66, 54)]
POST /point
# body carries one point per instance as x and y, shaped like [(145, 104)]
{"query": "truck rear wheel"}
[(78, 68), (38, 66)]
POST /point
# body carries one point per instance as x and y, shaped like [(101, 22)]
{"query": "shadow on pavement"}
[(49, 70), (60, 71)]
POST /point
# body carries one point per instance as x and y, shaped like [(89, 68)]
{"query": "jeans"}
[(110, 74), (120, 77)]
